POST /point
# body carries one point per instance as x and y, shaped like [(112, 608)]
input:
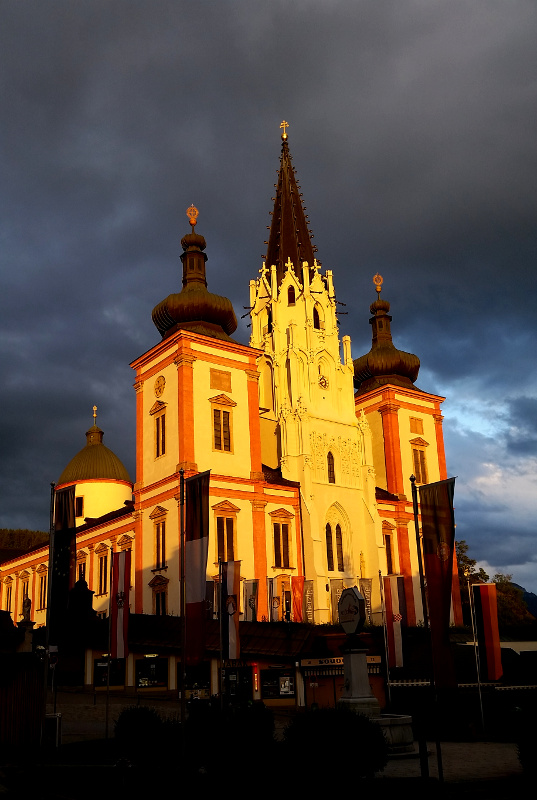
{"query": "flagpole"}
[(183, 601), (109, 643), (47, 613), (385, 626), (220, 626), (476, 648), (418, 548)]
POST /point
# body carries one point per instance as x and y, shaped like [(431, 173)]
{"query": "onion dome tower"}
[(290, 237), (194, 308), (384, 363), (102, 481)]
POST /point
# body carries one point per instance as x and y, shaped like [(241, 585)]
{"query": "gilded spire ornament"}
[(95, 415), (284, 125), (192, 214), (378, 280)]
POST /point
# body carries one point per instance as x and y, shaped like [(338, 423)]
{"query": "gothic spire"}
[(290, 237)]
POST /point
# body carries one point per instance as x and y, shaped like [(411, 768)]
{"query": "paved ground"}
[(477, 769)]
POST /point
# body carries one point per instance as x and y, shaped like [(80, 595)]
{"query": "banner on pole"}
[(438, 536), (297, 591), (230, 610), (63, 571), (196, 550), (119, 618), (488, 635), (395, 613)]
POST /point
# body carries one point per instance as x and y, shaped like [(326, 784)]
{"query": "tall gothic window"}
[(329, 548), (291, 296), (331, 468)]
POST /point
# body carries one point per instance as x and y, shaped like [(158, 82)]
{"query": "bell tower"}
[(309, 429)]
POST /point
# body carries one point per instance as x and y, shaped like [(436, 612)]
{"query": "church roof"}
[(194, 308), (384, 364), (94, 462), (290, 237)]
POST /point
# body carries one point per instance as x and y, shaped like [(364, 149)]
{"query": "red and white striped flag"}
[(395, 612), (230, 609), (196, 550), (119, 617)]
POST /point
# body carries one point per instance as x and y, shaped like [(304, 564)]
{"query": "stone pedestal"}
[(26, 645), (357, 691)]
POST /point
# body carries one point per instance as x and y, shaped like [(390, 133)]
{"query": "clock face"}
[(160, 383), (323, 382)]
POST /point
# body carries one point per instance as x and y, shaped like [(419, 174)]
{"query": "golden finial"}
[(284, 125), (378, 281), (192, 214), (95, 415)]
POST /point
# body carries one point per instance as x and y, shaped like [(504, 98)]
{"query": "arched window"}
[(339, 548), (291, 296), (316, 319), (329, 548), (331, 468)]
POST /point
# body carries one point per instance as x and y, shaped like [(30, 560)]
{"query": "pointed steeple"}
[(384, 363), (290, 237)]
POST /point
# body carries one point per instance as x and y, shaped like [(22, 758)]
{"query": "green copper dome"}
[(94, 462)]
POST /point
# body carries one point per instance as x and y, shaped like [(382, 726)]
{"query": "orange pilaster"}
[(185, 398), (255, 429), (392, 448), (138, 386), (405, 568), (260, 557), (440, 446)]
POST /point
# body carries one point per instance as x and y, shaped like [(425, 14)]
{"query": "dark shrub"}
[(138, 731), (329, 741)]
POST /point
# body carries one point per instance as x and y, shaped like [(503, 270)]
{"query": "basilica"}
[(310, 454)]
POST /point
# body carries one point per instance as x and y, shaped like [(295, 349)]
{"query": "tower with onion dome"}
[(406, 426)]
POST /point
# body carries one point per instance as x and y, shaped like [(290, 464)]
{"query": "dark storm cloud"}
[(412, 130)]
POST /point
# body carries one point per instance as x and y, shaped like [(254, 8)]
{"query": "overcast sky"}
[(413, 132)]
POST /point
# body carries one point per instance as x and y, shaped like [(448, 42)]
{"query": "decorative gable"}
[(156, 407), (225, 507), (222, 400)]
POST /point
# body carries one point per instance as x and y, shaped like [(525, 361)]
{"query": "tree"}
[(512, 610)]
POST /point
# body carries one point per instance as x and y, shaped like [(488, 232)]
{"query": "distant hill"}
[(17, 542), (530, 598)]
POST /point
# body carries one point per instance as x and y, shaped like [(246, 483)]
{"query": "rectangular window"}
[(42, 591), (103, 574), (416, 425), (160, 602), (281, 545), (79, 506), (420, 466), (389, 556), (221, 430), (160, 544), (225, 536), (82, 571), (160, 435), (8, 597)]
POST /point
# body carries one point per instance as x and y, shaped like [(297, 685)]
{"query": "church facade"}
[(309, 453)]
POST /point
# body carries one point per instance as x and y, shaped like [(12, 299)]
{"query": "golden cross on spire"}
[(284, 125), (95, 415), (378, 280), (192, 214)]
